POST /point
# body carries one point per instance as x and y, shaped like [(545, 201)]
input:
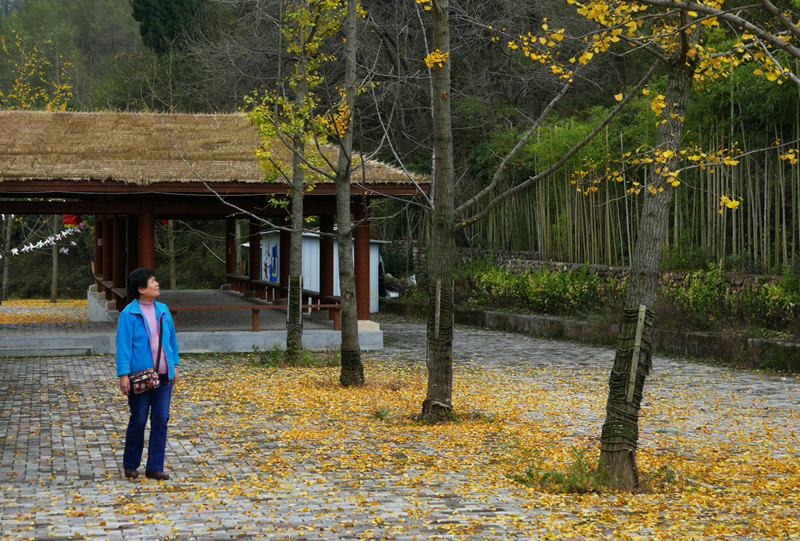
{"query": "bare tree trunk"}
[(54, 267), (294, 321), (9, 223), (352, 372), (238, 245), (620, 433), (438, 401)]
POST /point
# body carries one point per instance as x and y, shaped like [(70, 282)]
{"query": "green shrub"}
[(545, 291), (702, 300), (773, 305), (706, 292), (708, 296), (563, 292)]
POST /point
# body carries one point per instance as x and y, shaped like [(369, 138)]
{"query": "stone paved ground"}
[(242, 470)]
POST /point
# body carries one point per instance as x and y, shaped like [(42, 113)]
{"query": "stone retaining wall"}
[(520, 261), (737, 350)]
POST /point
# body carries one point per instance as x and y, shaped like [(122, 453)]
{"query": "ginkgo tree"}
[(447, 219), (296, 117), (287, 115), (40, 80), (41, 77), (675, 38)]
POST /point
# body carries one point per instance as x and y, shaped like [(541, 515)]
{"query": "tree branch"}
[(531, 180)]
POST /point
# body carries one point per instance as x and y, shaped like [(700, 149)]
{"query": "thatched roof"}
[(135, 148)]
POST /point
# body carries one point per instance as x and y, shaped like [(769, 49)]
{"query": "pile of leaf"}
[(43, 311)]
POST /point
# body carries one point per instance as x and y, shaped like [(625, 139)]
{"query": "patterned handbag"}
[(147, 380)]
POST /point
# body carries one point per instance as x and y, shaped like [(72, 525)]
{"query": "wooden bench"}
[(239, 282), (256, 309), (120, 295), (264, 290)]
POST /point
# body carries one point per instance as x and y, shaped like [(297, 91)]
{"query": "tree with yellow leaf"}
[(33, 88), (447, 219), (302, 123), (39, 82), (287, 115), (672, 36), (352, 369)]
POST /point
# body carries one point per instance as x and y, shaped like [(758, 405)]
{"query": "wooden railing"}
[(273, 292), (118, 294), (268, 291), (256, 309)]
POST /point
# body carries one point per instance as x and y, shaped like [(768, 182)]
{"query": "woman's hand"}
[(125, 384)]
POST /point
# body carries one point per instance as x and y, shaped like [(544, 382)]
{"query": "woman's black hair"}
[(136, 279)]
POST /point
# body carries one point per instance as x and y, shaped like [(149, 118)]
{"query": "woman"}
[(138, 341)]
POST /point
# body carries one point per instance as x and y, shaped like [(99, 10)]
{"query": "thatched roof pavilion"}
[(146, 149), (130, 168)]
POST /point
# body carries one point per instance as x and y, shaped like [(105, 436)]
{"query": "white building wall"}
[(270, 255)]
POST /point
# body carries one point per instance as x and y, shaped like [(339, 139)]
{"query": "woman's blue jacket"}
[(133, 339)]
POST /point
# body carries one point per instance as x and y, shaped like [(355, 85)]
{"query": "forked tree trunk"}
[(438, 402), (620, 434), (352, 372)]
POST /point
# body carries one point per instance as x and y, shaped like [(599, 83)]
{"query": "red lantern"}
[(72, 220)]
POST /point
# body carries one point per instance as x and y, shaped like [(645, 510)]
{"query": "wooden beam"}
[(42, 186)]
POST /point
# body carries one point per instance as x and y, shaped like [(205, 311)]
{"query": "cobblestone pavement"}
[(62, 430)]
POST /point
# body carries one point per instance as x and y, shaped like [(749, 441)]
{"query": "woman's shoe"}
[(157, 475)]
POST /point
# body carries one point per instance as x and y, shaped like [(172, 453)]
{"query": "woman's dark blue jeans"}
[(156, 404)]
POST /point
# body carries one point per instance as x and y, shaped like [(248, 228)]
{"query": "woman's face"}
[(150, 292)]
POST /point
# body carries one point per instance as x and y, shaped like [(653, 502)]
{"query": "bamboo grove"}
[(739, 194), (575, 216)]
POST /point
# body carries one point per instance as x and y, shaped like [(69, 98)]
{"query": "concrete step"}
[(45, 351)]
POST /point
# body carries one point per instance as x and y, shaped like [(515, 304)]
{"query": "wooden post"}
[(98, 246), (147, 235), (254, 259), (285, 243), (133, 244), (361, 256), (637, 346), (326, 271), (118, 258), (230, 246), (108, 254)]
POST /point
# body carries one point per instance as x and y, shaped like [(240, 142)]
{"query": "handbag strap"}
[(158, 351)]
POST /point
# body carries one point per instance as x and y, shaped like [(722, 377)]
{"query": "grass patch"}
[(276, 357), (652, 481), (381, 413), (581, 475)]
